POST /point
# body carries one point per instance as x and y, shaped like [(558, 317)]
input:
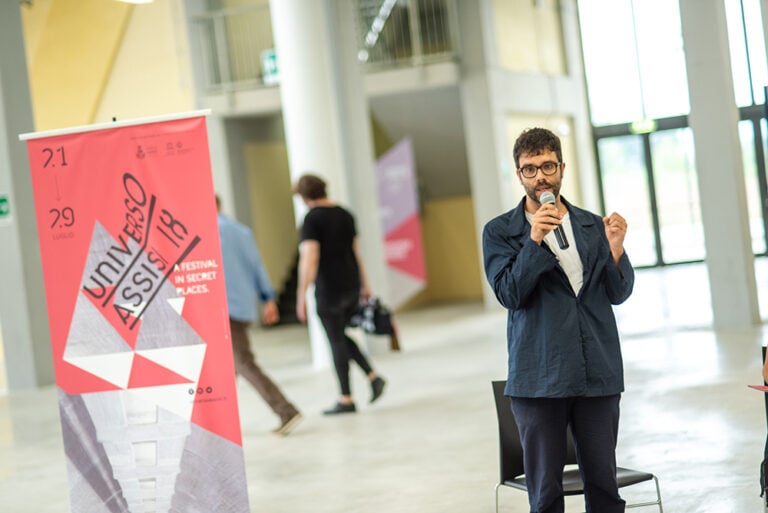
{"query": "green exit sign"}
[(5, 207), (643, 126)]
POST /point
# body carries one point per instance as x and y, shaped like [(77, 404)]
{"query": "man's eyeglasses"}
[(548, 168)]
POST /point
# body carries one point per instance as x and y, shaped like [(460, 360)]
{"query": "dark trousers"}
[(334, 318), (594, 423), (245, 365)]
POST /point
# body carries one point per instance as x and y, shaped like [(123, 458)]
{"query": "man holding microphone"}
[(559, 270)]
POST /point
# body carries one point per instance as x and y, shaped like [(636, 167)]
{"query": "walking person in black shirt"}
[(329, 257)]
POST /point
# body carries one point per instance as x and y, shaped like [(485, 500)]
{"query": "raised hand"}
[(615, 230)]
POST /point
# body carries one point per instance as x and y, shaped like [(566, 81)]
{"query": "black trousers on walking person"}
[(335, 317), (594, 422), (245, 365)]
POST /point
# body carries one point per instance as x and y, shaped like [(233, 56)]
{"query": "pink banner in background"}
[(401, 221)]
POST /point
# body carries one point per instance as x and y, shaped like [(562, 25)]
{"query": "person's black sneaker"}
[(377, 388), (341, 408)]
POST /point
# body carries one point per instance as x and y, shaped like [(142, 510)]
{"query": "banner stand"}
[(139, 326)]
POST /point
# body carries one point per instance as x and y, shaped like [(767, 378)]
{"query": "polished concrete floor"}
[(430, 444)]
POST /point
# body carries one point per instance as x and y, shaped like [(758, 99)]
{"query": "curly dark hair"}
[(310, 187), (535, 141)]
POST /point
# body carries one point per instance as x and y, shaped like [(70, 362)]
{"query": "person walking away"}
[(245, 277), (329, 257)]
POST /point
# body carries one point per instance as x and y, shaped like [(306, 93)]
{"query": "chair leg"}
[(657, 502), (497, 497), (658, 494)]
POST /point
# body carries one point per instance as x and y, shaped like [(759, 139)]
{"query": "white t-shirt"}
[(569, 259)]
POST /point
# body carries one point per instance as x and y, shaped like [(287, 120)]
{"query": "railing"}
[(238, 45), (237, 48), (394, 33)]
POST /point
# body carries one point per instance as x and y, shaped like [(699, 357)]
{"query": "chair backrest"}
[(510, 449)]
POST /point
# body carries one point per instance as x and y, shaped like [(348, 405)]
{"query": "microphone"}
[(548, 197)]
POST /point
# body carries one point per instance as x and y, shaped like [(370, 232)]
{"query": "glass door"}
[(677, 196), (753, 155), (627, 189)]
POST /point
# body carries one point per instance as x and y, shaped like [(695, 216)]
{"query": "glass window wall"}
[(635, 72)]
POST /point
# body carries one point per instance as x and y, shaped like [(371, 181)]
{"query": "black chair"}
[(511, 462)]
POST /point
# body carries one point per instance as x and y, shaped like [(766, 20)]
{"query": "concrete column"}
[(227, 175), (489, 170), (714, 121), (23, 314), (764, 16), (575, 83), (327, 126)]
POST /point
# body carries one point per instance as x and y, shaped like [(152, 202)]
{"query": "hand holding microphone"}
[(549, 198)]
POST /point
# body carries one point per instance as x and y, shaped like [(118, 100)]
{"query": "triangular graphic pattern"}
[(402, 287), (100, 343), (184, 361), (90, 334), (145, 373), (177, 303), (405, 250), (114, 368)]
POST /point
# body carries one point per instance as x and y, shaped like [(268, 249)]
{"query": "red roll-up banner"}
[(138, 317)]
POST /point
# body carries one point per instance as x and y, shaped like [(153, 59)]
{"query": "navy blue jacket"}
[(559, 344)]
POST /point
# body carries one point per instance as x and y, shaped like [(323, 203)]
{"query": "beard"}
[(534, 190)]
